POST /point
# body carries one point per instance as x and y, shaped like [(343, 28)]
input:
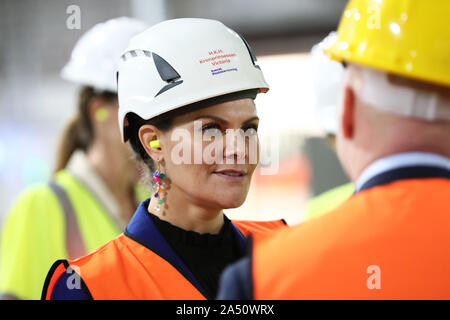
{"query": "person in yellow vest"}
[(391, 239), (186, 89), (327, 77), (92, 194)]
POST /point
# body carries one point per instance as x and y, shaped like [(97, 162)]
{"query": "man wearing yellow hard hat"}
[(390, 240)]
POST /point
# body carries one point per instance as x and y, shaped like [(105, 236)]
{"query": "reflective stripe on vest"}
[(74, 241)]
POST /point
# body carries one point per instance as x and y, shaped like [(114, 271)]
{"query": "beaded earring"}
[(158, 188), (157, 177)]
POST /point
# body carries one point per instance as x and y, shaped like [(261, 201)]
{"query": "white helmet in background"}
[(183, 61), (94, 59), (327, 75)]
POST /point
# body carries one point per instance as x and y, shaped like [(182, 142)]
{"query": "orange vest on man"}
[(391, 240), (139, 264)]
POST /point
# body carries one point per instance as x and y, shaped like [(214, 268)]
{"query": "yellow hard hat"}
[(405, 37)]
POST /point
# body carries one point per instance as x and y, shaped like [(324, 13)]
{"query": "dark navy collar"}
[(143, 230), (412, 172)]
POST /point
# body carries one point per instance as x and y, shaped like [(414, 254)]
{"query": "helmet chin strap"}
[(375, 90)]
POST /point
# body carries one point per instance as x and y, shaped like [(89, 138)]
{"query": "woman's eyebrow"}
[(218, 119), (211, 117), (251, 119)]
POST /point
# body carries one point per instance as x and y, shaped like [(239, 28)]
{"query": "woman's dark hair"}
[(79, 133)]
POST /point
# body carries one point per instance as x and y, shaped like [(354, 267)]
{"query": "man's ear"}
[(148, 133), (348, 112)]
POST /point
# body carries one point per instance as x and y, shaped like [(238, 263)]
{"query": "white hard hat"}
[(94, 59), (327, 75), (183, 61)]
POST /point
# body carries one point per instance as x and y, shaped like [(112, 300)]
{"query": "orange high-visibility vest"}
[(139, 265), (125, 269), (388, 242)]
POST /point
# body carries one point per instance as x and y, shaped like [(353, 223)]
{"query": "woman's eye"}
[(251, 131), (211, 129)]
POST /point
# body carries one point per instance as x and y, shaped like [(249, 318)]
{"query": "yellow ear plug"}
[(101, 114), (154, 144)]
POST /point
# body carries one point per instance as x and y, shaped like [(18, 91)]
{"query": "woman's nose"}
[(235, 148)]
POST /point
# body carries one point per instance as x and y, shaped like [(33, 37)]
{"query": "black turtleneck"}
[(206, 255)]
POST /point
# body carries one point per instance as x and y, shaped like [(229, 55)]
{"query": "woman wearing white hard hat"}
[(92, 195), (181, 78)]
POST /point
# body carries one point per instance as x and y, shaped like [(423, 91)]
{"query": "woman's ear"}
[(148, 134), (98, 110), (348, 112)]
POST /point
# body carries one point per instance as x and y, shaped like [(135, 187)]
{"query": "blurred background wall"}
[(35, 103)]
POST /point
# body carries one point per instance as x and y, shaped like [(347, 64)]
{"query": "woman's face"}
[(210, 154)]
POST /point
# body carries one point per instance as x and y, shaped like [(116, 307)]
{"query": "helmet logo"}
[(167, 73), (250, 51), (165, 70)]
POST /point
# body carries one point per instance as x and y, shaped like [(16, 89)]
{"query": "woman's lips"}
[(231, 175)]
